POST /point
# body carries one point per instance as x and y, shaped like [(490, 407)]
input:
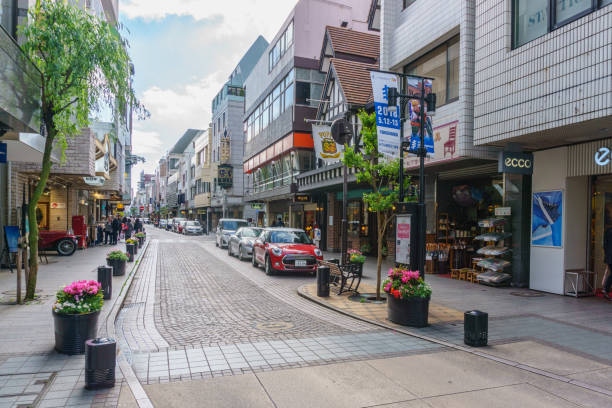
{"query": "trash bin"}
[(323, 281), (475, 328), (105, 277), (100, 363)]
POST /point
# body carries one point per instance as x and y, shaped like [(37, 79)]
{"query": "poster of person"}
[(547, 219), (414, 112)]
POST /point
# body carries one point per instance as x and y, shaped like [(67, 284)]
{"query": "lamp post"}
[(430, 100)]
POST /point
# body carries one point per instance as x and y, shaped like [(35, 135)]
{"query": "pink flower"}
[(391, 272), (405, 279)]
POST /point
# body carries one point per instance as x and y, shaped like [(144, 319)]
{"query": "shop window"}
[(441, 64), (354, 217), (605, 3), (302, 93)]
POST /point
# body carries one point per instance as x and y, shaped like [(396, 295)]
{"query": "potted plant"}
[(141, 237), (356, 258), (75, 315), (408, 297), (117, 260), (134, 242), (366, 249)]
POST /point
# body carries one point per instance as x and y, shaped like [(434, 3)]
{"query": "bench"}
[(344, 276)]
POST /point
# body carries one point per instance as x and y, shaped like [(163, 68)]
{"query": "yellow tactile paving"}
[(378, 311)]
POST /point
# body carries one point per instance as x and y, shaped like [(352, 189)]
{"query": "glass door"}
[(601, 219)]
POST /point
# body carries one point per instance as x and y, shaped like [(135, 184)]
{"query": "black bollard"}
[(105, 277), (323, 281), (475, 328), (100, 361)]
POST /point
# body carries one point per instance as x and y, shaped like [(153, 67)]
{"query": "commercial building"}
[(204, 179), (543, 85), (282, 92)]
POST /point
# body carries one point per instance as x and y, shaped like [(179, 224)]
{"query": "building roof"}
[(352, 42), (354, 79), (182, 144)]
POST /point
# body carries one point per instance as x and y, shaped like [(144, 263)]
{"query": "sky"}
[(183, 52)]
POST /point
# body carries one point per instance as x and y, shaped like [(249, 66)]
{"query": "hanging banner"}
[(414, 110), (387, 121), (326, 148)]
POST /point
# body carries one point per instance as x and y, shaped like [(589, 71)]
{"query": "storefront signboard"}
[(326, 148), (445, 146), (302, 198), (225, 176), (402, 239), (58, 205), (96, 181), (503, 211), (257, 206), (547, 219), (515, 163), (602, 156), (103, 163), (387, 120), (414, 113)]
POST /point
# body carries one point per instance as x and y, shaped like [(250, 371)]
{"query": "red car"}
[(285, 249), (65, 244)]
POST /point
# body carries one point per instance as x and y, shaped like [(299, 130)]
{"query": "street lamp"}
[(424, 100)]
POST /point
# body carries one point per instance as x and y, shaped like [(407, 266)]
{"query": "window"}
[(441, 64), (223, 120), (281, 46), (8, 16), (302, 93), (219, 125), (407, 3), (534, 18)]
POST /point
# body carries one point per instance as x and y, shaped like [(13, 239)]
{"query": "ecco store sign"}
[(516, 163), (602, 156)]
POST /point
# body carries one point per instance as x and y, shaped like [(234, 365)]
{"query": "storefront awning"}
[(26, 147)]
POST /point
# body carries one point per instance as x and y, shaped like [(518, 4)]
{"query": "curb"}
[(474, 352), (138, 391)]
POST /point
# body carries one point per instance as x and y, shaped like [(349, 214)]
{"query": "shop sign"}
[(120, 206), (96, 181), (2, 152), (402, 239), (103, 163), (602, 156), (516, 163), (302, 198), (387, 120), (201, 211), (225, 177), (257, 206), (55, 206), (326, 148), (503, 211)]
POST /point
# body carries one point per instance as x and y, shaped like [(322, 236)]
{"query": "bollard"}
[(100, 363), (475, 328), (105, 277), (323, 281)]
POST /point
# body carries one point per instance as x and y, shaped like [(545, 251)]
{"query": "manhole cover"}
[(368, 298), (527, 294), (274, 326)]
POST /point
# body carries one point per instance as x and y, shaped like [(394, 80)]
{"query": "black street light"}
[(393, 95)]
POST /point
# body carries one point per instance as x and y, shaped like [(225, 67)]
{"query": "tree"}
[(84, 66), (383, 178)]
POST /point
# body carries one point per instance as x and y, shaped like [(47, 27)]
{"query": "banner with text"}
[(387, 122), (326, 148)]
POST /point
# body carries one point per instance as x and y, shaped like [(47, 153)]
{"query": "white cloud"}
[(233, 16)]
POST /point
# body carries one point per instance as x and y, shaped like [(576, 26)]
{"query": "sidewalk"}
[(30, 370)]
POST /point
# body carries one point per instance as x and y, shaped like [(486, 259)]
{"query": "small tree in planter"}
[(408, 300), (117, 260), (75, 315), (356, 257)]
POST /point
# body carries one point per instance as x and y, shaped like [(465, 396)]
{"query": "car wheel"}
[(216, 243), (66, 247), (240, 257), (254, 260), (229, 249), (268, 267)]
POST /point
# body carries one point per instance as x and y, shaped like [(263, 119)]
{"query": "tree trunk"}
[(32, 222)]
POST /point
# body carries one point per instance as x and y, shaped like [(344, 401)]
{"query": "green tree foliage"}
[(84, 66), (382, 175)]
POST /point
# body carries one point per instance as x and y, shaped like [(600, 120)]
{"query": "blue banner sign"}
[(387, 120)]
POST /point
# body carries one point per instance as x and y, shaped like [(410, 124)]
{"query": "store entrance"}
[(601, 219)]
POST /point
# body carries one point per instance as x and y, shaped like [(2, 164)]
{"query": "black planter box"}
[(72, 330), (412, 311), (118, 266)]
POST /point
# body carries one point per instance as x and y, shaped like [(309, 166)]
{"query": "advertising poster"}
[(414, 111), (547, 219), (445, 146), (387, 121), (402, 239), (326, 148)]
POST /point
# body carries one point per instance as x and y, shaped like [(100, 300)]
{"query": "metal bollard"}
[(475, 328), (323, 281), (105, 277), (100, 363)]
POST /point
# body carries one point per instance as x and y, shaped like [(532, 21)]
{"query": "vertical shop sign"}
[(326, 148), (387, 121), (414, 110), (402, 239)]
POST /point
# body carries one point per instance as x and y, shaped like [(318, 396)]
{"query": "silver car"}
[(241, 243), (192, 228), (227, 227)]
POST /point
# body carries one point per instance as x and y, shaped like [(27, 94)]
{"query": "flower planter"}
[(118, 266), (411, 311), (72, 330)]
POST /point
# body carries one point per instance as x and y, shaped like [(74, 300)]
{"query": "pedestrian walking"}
[(116, 228), (108, 230), (99, 233), (607, 278), (317, 235), (138, 225), (129, 228)]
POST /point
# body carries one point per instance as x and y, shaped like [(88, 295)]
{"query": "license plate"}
[(300, 262)]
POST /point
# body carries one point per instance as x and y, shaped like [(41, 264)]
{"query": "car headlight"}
[(318, 252), (277, 251)]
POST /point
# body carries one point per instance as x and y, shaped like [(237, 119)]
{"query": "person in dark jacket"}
[(607, 279), (129, 229), (108, 231), (138, 225), (116, 228)]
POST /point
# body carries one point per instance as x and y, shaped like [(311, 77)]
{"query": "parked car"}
[(61, 241), (176, 222), (227, 227), (241, 243), (192, 228), (180, 226), (285, 249)]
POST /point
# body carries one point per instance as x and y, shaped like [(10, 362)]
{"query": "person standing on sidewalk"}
[(128, 229), (108, 230), (116, 228), (317, 235), (607, 279), (138, 225)]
